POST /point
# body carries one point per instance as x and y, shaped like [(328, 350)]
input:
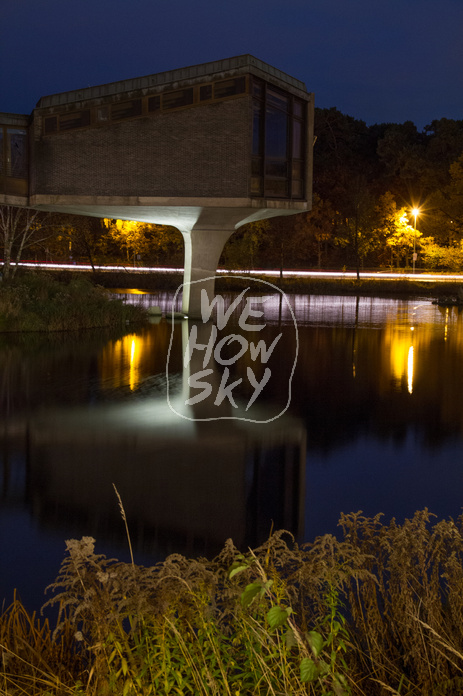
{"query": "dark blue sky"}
[(376, 60)]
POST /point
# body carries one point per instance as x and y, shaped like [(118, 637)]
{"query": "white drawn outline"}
[(215, 418)]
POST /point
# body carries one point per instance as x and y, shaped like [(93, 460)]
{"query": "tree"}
[(144, 239), (20, 228), (393, 226)]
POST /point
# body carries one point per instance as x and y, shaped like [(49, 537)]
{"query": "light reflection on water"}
[(375, 423)]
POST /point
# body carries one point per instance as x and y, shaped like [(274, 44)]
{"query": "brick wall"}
[(199, 151)]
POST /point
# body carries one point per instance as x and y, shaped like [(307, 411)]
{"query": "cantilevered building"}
[(205, 148)]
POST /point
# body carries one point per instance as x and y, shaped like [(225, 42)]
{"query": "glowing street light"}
[(415, 212)]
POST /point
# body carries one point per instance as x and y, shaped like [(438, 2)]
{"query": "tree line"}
[(366, 181)]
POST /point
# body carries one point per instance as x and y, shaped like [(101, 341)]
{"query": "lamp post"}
[(415, 212)]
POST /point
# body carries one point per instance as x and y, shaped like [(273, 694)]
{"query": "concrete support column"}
[(202, 252)]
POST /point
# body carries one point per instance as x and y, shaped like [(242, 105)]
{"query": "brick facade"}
[(202, 151)]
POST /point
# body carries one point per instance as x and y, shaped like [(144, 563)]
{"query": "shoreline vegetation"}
[(380, 286), (378, 611), (46, 301), (42, 302)]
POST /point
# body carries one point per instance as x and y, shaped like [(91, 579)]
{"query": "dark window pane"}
[(102, 114), (257, 166), (154, 103), (228, 88), (277, 100), (77, 119), (174, 100), (297, 169), (18, 152), (256, 186), (126, 110), (205, 92), (297, 139), (276, 168), (297, 108), (276, 129), (257, 129), (51, 125), (257, 88), (278, 188), (297, 188)]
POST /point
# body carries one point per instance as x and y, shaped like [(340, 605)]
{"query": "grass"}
[(376, 612), (39, 302)]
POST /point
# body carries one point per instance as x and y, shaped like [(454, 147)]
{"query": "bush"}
[(38, 302)]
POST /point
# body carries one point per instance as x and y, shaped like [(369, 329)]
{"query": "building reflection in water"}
[(186, 485)]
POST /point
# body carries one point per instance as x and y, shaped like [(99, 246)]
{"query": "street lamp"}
[(415, 212)]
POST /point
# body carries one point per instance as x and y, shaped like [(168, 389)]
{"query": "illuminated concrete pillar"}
[(202, 252)]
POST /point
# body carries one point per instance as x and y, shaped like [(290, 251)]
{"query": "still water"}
[(374, 423)]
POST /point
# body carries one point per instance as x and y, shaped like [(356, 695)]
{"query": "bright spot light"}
[(415, 211)]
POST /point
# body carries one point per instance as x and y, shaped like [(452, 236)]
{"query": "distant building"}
[(205, 148)]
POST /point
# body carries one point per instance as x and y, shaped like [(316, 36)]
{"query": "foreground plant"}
[(377, 612)]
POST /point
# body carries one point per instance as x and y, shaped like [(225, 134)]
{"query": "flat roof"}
[(244, 63)]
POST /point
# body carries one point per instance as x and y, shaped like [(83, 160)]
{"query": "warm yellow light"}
[(410, 370), (415, 211)]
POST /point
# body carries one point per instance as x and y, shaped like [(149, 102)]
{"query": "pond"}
[(363, 411)]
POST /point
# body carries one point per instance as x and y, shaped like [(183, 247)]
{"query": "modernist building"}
[(205, 148)]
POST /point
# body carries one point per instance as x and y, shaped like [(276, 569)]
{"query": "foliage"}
[(143, 241), (38, 302), (379, 611)]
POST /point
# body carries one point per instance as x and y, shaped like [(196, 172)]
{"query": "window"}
[(77, 119), (13, 160), (127, 109), (154, 103), (51, 125), (173, 100), (228, 88), (278, 155), (205, 92)]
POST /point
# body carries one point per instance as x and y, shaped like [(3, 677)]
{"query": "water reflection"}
[(375, 423)]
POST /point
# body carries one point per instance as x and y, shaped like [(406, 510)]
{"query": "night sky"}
[(377, 60)]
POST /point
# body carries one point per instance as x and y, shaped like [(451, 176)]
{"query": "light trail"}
[(350, 275)]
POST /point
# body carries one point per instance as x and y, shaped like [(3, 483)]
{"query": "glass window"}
[(228, 88), (277, 100), (102, 114), (297, 139), (298, 108), (77, 119), (173, 100), (17, 143), (205, 92), (154, 103), (51, 125), (257, 186), (257, 130), (126, 110), (276, 133)]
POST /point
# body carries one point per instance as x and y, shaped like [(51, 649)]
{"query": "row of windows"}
[(133, 108)]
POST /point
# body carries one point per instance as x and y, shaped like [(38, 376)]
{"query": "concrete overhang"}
[(183, 213)]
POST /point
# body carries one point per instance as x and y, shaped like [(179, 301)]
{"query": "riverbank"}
[(314, 285), (41, 302)]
